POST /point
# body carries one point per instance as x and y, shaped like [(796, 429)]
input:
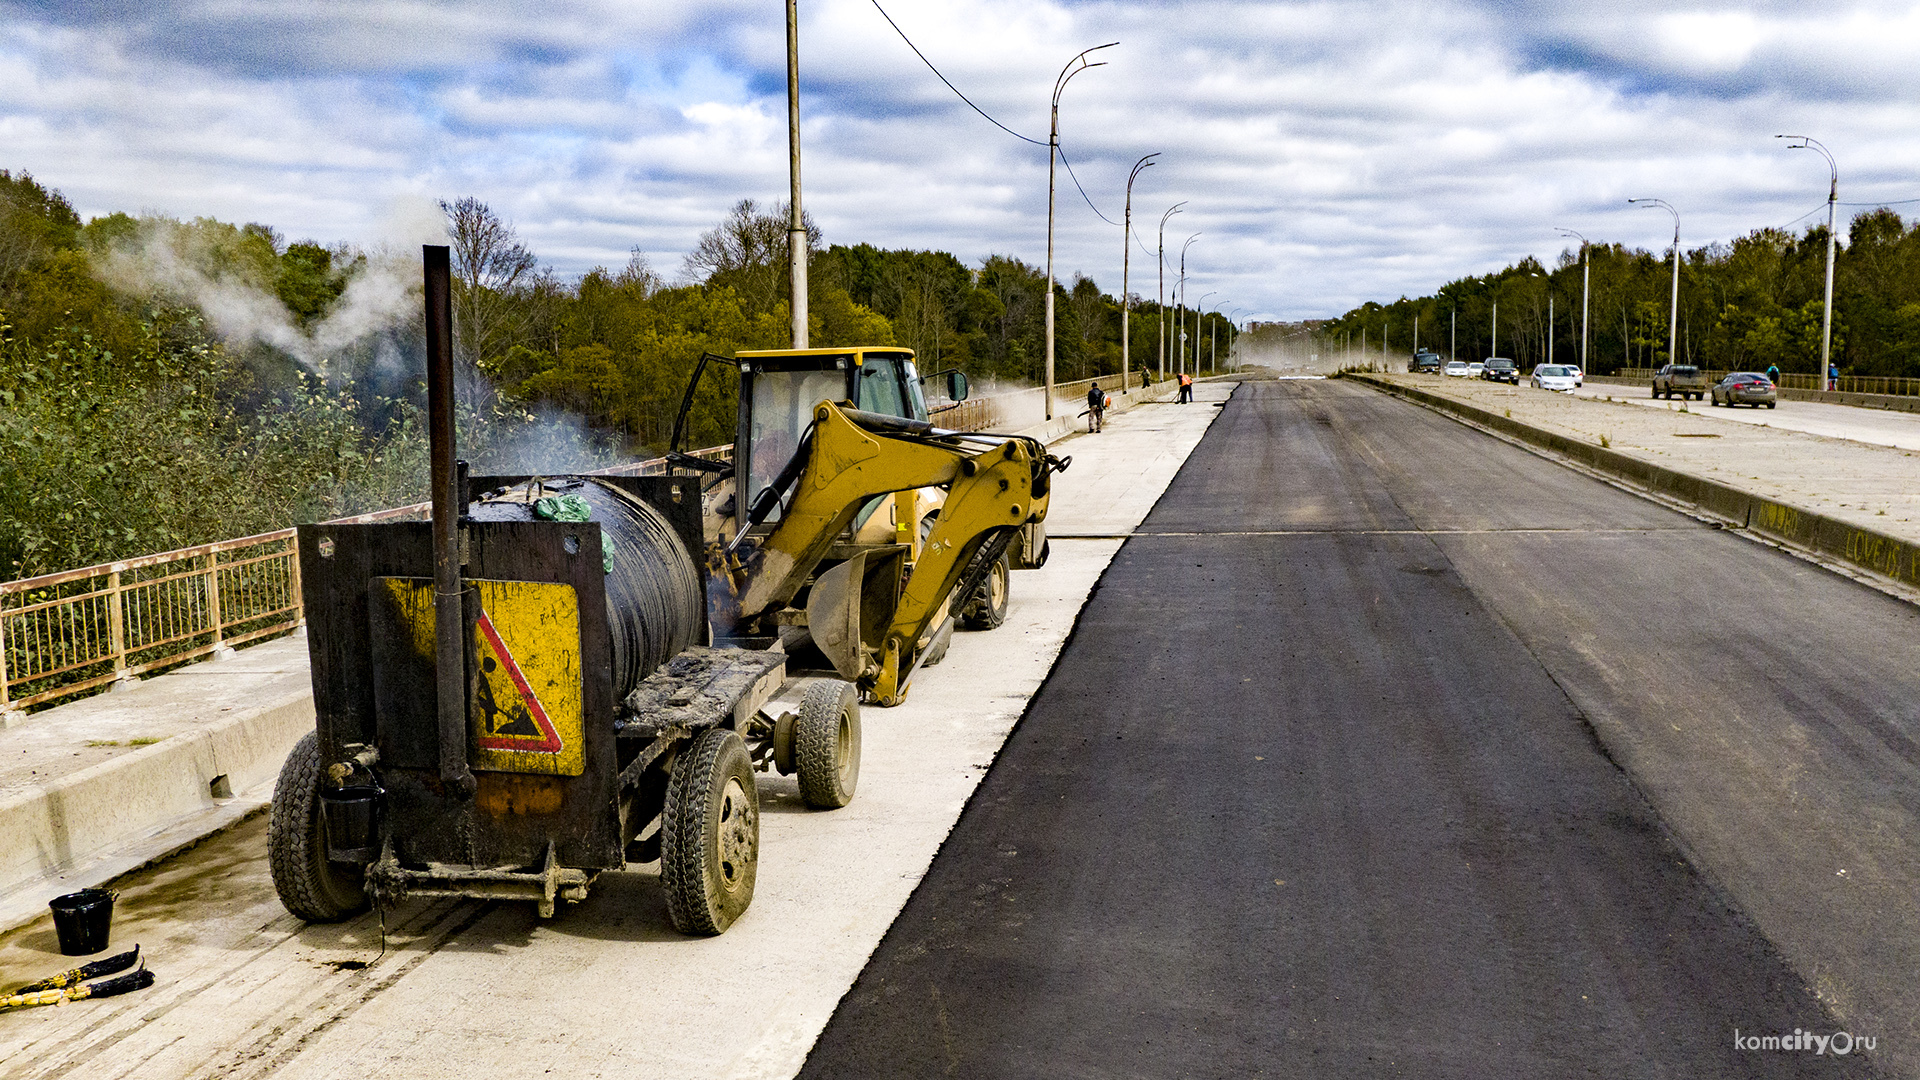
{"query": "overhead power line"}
[(949, 82), (956, 91)]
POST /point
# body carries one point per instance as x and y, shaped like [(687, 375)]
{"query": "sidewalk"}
[(95, 788), (1851, 502)]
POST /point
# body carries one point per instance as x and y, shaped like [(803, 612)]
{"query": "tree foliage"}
[(1745, 305)]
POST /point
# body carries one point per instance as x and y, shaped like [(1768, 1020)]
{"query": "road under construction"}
[(1337, 737)]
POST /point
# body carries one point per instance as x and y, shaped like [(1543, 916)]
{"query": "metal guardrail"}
[(67, 633), (1893, 385)]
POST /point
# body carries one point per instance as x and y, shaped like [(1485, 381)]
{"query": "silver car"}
[(1745, 388)]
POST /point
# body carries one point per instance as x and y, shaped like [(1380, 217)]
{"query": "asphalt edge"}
[(1877, 554), (1026, 712)]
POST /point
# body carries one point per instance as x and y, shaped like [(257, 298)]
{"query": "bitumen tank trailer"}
[(516, 696)]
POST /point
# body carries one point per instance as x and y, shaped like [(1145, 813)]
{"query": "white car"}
[(1579, 377), (1457, 369), (1554, 377), (1474, 369)]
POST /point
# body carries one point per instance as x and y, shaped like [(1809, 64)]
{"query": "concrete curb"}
[(1796, 526), (85, 829)]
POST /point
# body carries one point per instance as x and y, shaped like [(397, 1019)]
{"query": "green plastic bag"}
[(562, 508)]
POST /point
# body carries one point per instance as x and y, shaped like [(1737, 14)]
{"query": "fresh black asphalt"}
[(1296, 802)]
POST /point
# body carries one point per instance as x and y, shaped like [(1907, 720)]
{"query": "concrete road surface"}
[(606, 989), (1389, 749)]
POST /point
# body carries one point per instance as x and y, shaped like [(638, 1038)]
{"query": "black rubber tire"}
[(1769, 404), (987, 607), (710, 834), (1656, 391), (311, 886), (826, 744)]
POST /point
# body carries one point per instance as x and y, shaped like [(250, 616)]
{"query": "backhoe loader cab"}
[(779, 388)]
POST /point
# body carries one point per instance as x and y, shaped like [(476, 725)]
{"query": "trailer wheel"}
[(311, 886), (710, 834), (987, 607), (826, 744)]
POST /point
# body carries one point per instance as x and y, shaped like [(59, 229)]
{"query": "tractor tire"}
[(710, 834), (826, 744), (311, 886), (987, 607)]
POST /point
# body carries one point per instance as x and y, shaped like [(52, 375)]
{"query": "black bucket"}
[(353, 827), (82, 920)]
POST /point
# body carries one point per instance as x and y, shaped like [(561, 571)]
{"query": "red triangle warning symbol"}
[(511, 715)]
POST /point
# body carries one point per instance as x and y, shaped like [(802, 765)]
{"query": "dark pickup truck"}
[(1424, 361), (1683, 379)]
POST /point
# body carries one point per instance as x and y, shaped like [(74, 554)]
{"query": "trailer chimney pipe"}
[(450, 624)]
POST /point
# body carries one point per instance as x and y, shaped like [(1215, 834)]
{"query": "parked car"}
[(1552, 377), (1457, 369), (1683, 379), (1579, 377), (1745, 388), (1501, 369), (1474, 369), (1424, 361)]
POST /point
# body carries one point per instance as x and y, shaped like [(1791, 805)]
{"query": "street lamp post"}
[(1673, 312), (1126, 267), (1826, 309), (1586, 282), (1074, 67), (1180, 304), (1172, 210)]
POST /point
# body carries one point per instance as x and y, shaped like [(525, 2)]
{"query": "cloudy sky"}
[(1329, 152)]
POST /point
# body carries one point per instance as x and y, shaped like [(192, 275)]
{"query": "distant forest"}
[(165, 383), (1743, 306)]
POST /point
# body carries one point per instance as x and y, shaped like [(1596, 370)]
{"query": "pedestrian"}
[(1186, 388), (1773, 374), (1833, 376), (1096, 408)]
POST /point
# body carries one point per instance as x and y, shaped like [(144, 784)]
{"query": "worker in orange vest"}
[(1186, 388)]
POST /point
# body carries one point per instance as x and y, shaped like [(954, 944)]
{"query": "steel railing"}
[(1894, 385), (71, 632)]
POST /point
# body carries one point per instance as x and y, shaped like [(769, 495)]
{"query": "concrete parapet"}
[(1888, 556)]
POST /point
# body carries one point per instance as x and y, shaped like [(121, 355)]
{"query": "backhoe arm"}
[(1000, 487)]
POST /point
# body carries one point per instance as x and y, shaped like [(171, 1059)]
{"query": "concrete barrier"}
[(86, 828), (1798, 526)]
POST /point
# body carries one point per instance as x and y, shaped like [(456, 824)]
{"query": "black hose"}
[(655, 606)]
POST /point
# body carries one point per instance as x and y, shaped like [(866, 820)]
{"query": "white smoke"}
[(184, 261)]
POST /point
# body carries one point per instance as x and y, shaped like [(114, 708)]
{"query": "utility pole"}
[(1174, 209), (1126, 265), (1074, 67), (1453, 335), (1826, 309), (796, 223)]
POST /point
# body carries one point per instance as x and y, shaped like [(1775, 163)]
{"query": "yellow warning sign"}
[(525, 703)]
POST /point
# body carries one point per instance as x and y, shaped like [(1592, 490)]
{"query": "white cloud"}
[(1330, 151)]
